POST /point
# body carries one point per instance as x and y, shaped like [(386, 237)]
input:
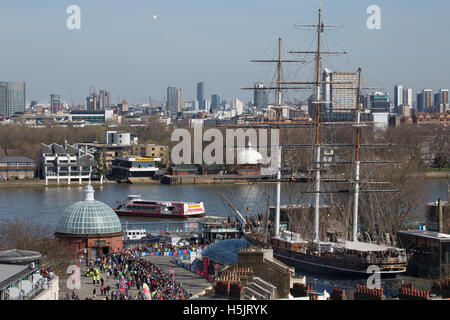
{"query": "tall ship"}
[(345, 256), (135, 206)]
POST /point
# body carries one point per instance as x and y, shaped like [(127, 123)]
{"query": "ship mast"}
[(356, 162), (317, 140), (278, 190)]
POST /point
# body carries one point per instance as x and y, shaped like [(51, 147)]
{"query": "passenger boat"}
[(134, 206)]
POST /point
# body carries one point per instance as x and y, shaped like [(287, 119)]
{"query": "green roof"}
[(89, 217)]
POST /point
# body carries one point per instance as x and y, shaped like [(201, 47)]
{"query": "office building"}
[(379, 102), (201, 95), (441, 101), (260, 96), (120, 138), (407, 97), (173, 99), (424, 100), (12, 98), (215, 101), (398, 96), (92, 103), (326, 90), (103, 99), (55, 103), (343, 92), (92, 116), (66, 163)]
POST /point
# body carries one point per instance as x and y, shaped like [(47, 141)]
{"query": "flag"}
[(148, 295)]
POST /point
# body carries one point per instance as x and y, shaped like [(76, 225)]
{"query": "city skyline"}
[(221, 39)]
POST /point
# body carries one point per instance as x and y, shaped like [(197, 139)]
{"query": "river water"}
[(46, 205)]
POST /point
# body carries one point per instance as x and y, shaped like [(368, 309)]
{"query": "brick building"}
[(12, 168), (90, 227)]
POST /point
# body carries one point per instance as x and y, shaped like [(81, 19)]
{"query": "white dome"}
[(249, 156)]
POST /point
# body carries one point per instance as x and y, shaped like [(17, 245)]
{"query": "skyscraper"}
[(424, 100), (343, 94), (379, 102), (326, 90), (173, 99), (12, 98), (55, 103), (201, 95), (103, 99), (92, 102), (441, 101), (407, 97), (398, 97), (215, 101), (260, 99)]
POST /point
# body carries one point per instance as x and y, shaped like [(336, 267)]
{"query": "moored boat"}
[(134, 206)]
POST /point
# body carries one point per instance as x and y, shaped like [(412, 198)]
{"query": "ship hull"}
[(322, 265), (158, 215)]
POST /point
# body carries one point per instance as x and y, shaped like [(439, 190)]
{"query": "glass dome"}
[(89, 217)]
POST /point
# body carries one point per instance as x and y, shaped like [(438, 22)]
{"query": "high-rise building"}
[(379, 102), (201, 95), (407, 97), (343, 94), (179, 100), (398, 96), (103, 99), (215, 101), (402, 97), (326, 90), (55, 103), (441, 101), (260, 98), (174, 100), (92, 102), (424, 100), (12, 98)]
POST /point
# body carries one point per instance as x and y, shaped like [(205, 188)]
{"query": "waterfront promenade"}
[(192, 283)]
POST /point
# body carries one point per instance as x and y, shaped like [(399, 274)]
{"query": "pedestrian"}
[(94, 293), (102, 281)]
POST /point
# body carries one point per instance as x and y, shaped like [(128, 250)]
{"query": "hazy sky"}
[(122, 48)]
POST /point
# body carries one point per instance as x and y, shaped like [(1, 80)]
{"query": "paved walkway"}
[(191, 282)]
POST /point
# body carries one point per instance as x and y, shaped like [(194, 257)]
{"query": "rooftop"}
[(428, 234), (89, 217), (19, 256), (16, 160)]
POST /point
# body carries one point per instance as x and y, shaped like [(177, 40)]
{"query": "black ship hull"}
[(322, 265)]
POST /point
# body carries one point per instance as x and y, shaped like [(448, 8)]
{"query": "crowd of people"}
[(129, 272), (165, 247)]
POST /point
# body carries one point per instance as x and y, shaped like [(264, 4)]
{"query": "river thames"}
[(46, 204)]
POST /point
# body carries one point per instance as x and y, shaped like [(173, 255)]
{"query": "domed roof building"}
[(249, 156), (249, 161), (90, 227)]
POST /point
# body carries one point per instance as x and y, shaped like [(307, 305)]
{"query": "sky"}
[(136, 48)]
